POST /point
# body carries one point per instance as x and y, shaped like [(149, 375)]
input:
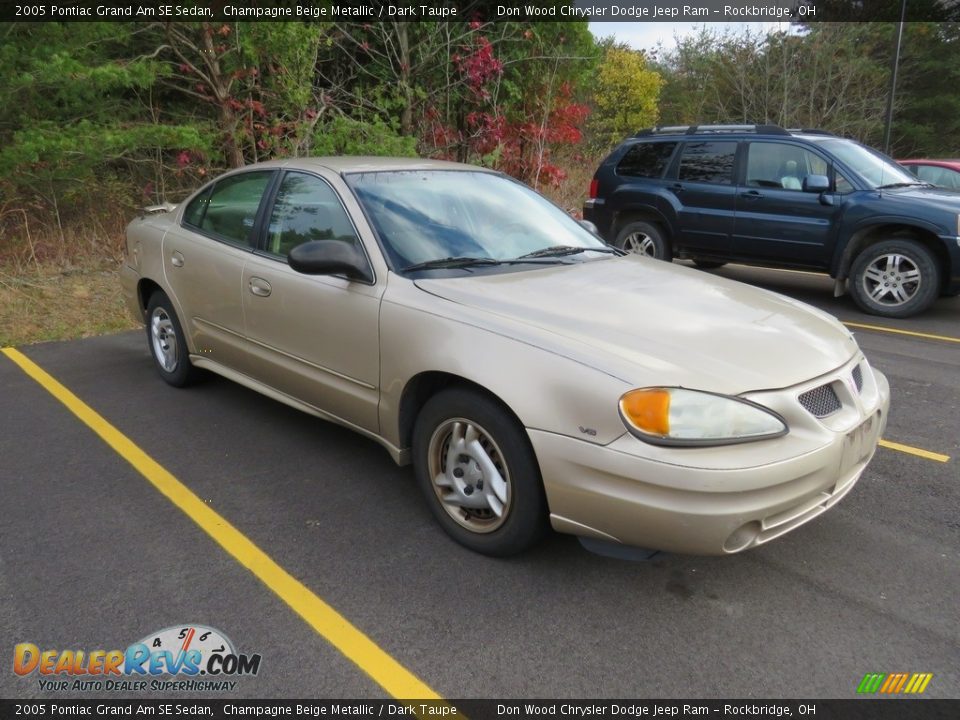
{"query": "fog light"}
[(742, 538)]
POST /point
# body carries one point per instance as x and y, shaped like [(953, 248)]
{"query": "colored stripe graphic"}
[(894, 683)]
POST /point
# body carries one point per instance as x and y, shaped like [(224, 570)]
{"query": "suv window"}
[(306, 208), (648, 160), (710, 162), (781, 165), (232, 206)]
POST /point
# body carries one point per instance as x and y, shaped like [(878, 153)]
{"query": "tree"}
[(626, 95)]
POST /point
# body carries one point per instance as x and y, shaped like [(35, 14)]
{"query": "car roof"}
[(701, 132), (352, 164), (952, 164)]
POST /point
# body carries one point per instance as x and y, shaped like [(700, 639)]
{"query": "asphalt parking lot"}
[(93, 556)]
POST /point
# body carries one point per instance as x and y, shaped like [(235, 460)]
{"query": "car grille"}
[(858, 378), (821, 401)]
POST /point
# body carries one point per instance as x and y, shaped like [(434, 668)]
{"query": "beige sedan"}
[(533, 375)]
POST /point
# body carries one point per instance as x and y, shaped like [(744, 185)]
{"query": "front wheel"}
[(708, 264), (645, 239), (478, 473), (895, 278)]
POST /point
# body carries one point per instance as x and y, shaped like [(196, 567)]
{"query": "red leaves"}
[(479, 66), (183, 159), (516, 136)]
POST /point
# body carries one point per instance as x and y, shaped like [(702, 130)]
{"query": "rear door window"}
[(647, 160), (708, 161)]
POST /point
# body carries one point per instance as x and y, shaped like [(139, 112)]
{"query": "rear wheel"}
[(895, 278), (168, 346), (644, 238), (478, 473)]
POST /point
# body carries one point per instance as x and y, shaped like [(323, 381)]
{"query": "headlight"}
[(675, 416)]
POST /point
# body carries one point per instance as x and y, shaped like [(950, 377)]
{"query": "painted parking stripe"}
[(910, 450), (383, 669), (897, 331)]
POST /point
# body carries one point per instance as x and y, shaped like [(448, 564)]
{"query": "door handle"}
[(176, 259), (260, 287), (752, 195), (677, 187)]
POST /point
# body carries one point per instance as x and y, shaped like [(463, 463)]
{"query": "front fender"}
[(545, 390)]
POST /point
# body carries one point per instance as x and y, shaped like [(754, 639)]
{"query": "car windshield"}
[(876, 170), (446, 218)]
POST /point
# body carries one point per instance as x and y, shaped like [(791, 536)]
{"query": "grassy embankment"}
[(59, 284)]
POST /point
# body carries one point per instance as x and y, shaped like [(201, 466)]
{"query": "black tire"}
[(168, 346), (895, 278), (708, 264), (523, 519), (644, 238)]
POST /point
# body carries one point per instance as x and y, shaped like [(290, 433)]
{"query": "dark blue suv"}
[(763, 195)]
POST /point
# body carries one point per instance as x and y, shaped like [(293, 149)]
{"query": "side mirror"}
[(589, 227), (330, 257), (816, 183)]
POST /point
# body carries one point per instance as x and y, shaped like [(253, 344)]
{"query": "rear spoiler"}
[(165, 207)]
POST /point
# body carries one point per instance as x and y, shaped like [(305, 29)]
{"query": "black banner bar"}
[(859, 709), (480, 10)]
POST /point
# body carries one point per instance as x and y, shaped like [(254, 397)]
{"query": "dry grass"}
[(573, 189), (58, 304), (59, 283)]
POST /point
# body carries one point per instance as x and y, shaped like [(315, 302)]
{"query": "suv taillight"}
[(593, 187)]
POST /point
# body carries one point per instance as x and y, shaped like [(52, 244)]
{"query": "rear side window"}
[(710, 162), (232, 206), (647, 160), (193, 215)]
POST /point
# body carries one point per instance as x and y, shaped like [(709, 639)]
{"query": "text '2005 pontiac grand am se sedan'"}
[(533, 375)]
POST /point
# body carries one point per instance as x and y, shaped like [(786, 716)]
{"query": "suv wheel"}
[(895, 278), (644, 238), (708, 264)]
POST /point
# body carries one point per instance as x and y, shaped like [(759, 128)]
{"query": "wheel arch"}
[(643, 213), (871, 235), (145, 289), (423, 386)]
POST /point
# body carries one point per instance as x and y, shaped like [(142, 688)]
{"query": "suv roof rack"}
[(811, 131), (712, 130)]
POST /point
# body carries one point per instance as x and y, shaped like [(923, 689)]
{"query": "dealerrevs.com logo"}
[(180, 658)]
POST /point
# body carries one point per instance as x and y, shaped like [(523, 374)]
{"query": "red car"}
[(943, 173)]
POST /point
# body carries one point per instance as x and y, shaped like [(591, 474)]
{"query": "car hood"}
[(936, 197), (650, 322)]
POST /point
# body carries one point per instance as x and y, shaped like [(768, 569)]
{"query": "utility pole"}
[(893, 78)]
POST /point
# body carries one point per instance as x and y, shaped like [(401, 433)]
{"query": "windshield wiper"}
[(890, 186), (561, 250), (452, 262)]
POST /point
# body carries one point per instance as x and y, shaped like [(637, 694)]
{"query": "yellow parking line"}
[(915, 451), (896, 331), (336, 629)]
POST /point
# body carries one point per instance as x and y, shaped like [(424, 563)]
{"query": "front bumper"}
[(699, 501)]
